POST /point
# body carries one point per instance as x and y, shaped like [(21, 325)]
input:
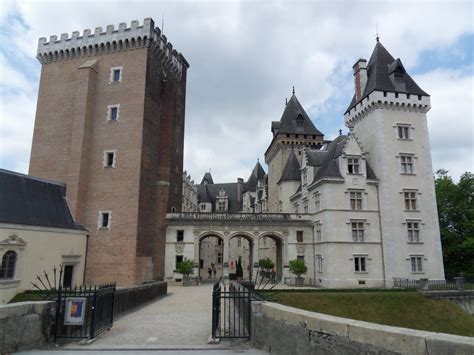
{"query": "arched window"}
[(8, 265)]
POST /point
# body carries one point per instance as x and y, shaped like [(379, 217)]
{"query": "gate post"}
[(215, 309), (93, 310)]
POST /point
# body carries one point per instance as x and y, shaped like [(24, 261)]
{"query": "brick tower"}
[(110, 124)]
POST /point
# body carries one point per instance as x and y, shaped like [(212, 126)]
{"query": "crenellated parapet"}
[(113, 40), (386, 100)]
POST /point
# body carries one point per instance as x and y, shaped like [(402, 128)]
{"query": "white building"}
[(37, 234), (360, 210)]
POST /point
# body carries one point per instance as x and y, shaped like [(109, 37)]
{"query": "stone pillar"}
[(255, 259), (225, 265)]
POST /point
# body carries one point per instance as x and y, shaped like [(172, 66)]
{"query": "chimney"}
[(240, 188), (360, 77)]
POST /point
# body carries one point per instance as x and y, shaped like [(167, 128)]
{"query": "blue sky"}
[(246, 56)]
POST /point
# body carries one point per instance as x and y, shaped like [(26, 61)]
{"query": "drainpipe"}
[(314, 256), (381, 236), (85, 261)]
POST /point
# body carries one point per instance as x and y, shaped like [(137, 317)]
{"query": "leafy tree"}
[(185, 267), (266, 263), (239, 271), (456, 221), (298, 267)]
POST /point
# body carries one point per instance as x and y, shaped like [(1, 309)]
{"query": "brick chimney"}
[(240, 188), (360, 77)]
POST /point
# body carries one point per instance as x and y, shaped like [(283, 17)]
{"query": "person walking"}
[(209, 272), (274, 275)]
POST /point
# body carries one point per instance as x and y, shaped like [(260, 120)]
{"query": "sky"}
[(245, 57)]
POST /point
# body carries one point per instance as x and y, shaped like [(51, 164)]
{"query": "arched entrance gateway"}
[(271, 246), (211, 257), (241, 246)]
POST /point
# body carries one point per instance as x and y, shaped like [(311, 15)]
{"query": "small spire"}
[(340, 132), (377, 37), (286, 101), (293, 89)]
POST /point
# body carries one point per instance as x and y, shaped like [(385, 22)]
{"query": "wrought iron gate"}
[(84, 312), (231, 311)]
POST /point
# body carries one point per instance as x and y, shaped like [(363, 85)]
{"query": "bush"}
[(298, 267), (186, 267), (266, 263)]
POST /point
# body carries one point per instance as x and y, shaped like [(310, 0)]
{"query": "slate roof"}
[(327, 163), (32, 201), (207, 177), (379, 68), (208, 193), (289, 120), (257, 174), (291, 172)]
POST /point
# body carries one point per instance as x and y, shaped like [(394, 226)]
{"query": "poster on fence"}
[(75, 310)]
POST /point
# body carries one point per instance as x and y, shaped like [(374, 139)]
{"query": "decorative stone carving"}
[(12, 241), (285, 233), (179, 246), (300, 249)]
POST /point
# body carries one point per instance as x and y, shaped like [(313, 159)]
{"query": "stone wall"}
[(463, 299), (285, 330), (25, 325)]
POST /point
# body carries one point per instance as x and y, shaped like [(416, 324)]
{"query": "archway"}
[(241, 247), (211, 257), (271, 246)]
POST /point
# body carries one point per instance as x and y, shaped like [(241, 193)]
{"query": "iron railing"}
[(84, 312), (458, 283), (231, 311), (235, 216)]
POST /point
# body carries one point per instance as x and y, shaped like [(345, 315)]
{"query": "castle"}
[(359, 210)]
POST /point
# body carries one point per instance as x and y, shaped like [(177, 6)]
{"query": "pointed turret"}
[(383, 73), (257, 174), (291, 172), (207, 179)]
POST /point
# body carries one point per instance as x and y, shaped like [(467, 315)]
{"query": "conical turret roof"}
[(257, 174), (295, 120), (207, 179), (379, 69), (291, 172)]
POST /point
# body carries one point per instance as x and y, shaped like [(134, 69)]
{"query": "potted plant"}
[(298, 268), (266, 265), (186, 268), (239, 271)]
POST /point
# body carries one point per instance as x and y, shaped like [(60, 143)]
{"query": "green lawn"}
[(29, 296), (400, 309)]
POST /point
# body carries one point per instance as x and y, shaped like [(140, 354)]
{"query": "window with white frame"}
[(109, 158), (116, 74), (7, 269), (353, 165), (203, 207), (413, 228), (355, 200), (416, 262), (221, 206), (113, 112), (317, 201), (104, 219), (319, 263), (403, 131), (299, 236), (407, 163), (318, 231), (410, 200), (179, 235), (360, 264), (358, 233)]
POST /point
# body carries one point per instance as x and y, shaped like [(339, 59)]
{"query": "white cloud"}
[(244, 57)]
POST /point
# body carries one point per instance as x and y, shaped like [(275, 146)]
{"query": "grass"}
[(400, 309), (29, 296)]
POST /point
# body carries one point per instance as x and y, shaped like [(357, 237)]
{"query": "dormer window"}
[(353, 165), (299, 120)]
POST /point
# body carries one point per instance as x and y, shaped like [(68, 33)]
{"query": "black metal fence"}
[(84, 312), (231, 311), (127, 299)]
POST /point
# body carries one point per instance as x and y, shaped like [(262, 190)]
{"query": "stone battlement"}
[(112, 40)]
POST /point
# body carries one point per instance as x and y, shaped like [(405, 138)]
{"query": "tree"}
[(239, 271), (298, 267), (456, 221), (185, 267), (266, 263)]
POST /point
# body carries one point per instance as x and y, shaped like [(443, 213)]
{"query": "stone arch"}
[(279, 240), (235, 250), (212, 256)]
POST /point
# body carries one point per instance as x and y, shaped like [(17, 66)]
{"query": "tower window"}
[(356, 200), (116, 74), (104, 219), (403, 131), (413, 231), (406, 162), (416, 264), (113, 112), (410, 200), (109, 159), (357, 231)]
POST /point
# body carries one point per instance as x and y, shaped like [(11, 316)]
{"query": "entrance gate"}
[(84, 312), (231, 311)]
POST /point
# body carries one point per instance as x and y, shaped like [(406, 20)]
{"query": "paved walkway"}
[(179, 323)]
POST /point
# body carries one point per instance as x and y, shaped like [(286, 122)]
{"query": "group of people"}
[(211, 270)]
